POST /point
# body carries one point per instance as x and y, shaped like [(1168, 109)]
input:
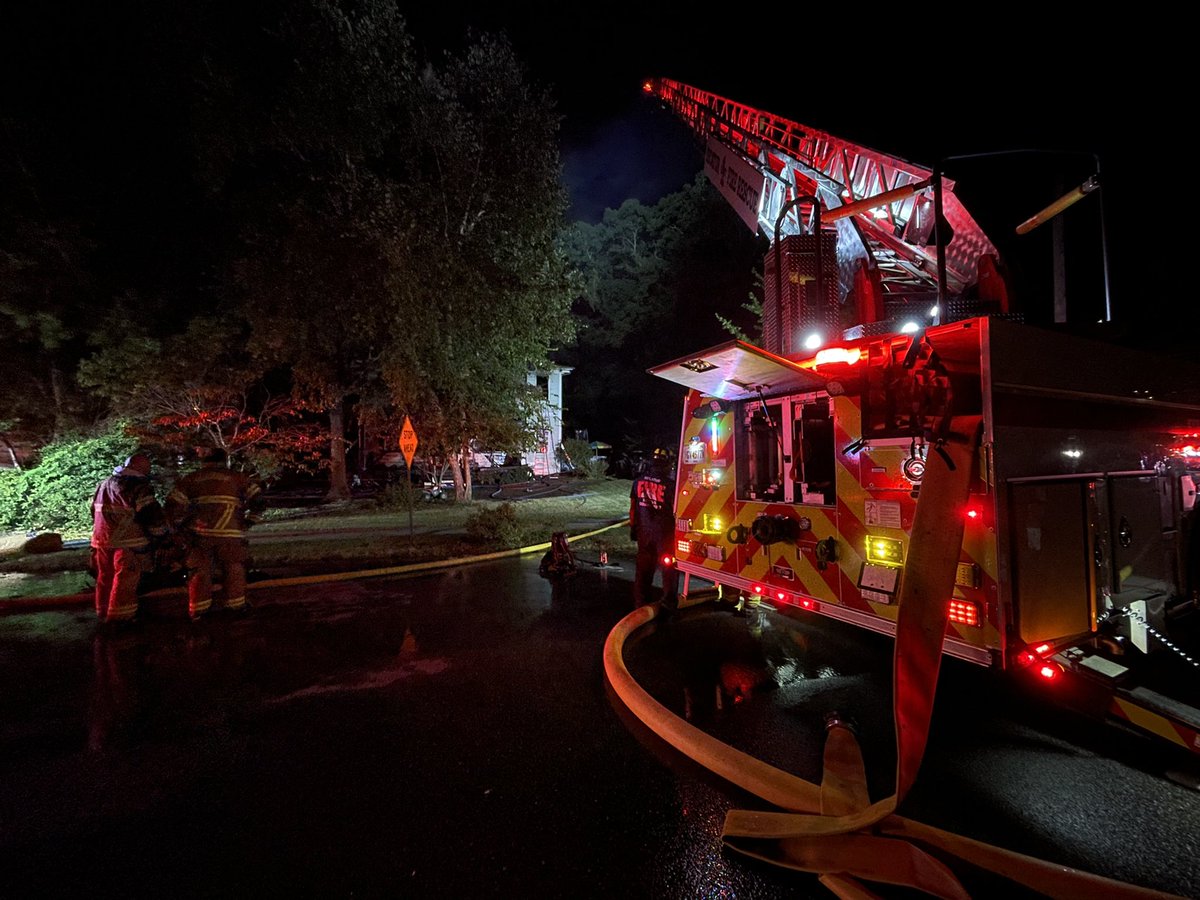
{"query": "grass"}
[(367, 534)]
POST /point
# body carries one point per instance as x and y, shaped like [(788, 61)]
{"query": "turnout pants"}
[(205, 557), (118, 571), (651, 550)]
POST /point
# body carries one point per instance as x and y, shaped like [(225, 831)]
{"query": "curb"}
[(28, 604)]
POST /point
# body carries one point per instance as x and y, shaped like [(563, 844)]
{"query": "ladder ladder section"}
[(894, 237)]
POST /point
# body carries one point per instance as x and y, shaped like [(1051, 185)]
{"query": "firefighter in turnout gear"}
[(126, 518), (652, 525), (214, 506)]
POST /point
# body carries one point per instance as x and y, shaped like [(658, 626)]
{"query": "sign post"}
[(408, 446)]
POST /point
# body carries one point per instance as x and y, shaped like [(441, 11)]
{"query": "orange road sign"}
[(408, 441)]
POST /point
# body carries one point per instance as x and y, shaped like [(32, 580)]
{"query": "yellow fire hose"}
[(831, 829), (410, 569)]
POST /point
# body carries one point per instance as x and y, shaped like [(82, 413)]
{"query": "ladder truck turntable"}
[(801, 461)]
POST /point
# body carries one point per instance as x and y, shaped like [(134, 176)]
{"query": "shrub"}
[(56, 494), (495, 524), (581, 457), (397, 495), (496, 475), (13, 488)]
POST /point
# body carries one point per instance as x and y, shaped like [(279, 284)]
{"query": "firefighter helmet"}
[(137, 464)]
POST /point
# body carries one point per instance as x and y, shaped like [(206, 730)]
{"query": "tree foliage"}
[(57, 492), (654, 279), (484, 293), (296, 214), (45, 288), (179, 400)]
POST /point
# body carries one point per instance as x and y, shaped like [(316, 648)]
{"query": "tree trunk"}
[(460, 465), (466, 465), (339, 488), (12, 453), (56, 390)]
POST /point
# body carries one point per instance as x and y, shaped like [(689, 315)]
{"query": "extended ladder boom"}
[(892, 236)]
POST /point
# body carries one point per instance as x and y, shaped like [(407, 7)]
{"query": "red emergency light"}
[(834, 355), (668, 560), (806, 603), (964, 612), (1049, 672), (759, 589), (973, 513), (1035, 654)]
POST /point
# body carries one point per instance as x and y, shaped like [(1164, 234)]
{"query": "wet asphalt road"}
[(452, 736)]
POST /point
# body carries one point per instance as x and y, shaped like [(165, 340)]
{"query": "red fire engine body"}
[(800, 473)]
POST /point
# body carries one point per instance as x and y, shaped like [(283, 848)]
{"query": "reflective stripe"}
[(217, 532), (252, 490), (236, 602), (200, 607), (177, 495), (217, 498), (126, 544)]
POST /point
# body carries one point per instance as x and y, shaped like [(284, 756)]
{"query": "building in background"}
[(542, 456)]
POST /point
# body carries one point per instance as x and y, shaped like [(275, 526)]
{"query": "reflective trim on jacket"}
[(212, 502), (117, 501)]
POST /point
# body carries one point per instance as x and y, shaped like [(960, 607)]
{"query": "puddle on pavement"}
[(14, 585)]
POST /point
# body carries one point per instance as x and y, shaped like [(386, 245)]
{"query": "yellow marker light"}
[(887, 551)]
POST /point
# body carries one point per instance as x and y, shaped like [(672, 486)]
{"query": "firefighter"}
[(126, 518), (214, 506), (652, 525), (559, 560)]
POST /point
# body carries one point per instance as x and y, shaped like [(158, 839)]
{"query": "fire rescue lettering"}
[(737, 181), (651, 494)]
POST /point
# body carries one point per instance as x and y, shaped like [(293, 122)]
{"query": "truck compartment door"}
[(1051, 560)]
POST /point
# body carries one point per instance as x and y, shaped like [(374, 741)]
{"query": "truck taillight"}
[(1033, 655), (1050, 672), (806, 603), (964, 612), (668, 560), (759, 589)]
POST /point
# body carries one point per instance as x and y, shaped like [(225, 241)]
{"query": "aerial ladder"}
[(876, 215)]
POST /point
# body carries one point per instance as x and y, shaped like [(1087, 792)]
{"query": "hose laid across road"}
[(26, 604)]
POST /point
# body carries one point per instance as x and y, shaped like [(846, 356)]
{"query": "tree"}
[(480, 285), (45, 286), (308, 108), (668, 270), (172, 397)]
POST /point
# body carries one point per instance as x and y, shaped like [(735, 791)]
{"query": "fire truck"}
[(885, 321)]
